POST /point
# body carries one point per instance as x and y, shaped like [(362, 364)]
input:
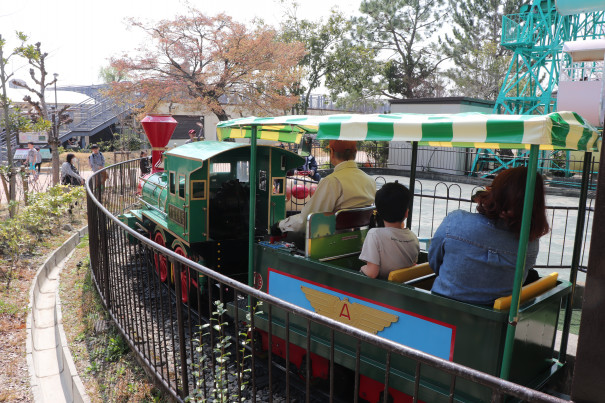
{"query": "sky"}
[(81, 35)]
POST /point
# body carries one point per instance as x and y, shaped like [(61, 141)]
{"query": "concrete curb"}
[(53, 374)]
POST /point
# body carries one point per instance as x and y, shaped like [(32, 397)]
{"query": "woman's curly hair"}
[(503, 200)]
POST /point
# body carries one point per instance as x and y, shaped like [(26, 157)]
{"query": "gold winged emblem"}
[(357, 315)]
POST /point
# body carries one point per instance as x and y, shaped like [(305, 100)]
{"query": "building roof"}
[(445, 100), (16, 95)]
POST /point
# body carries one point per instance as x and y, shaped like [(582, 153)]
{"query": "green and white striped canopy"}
[(560, 130)]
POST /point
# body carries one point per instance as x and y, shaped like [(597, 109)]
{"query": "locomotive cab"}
[(209, 188), (199, 205)]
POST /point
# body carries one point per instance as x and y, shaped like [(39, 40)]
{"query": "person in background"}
[(69, 172), (30, 160), (310, 168), (192, 137), (96, 160), (346, 187), (393, 246), (38, 163), (474, 254), (145, 163)]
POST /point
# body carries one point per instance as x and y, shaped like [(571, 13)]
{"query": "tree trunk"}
[(12, 183), (220, 113), (25, 184), (54, 151), (9, 149)]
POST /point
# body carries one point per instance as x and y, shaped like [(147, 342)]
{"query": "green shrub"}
[(377, 151), (19, 235)]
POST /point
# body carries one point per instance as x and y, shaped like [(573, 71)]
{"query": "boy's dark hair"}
[(93, 146), (392, 202), (30, 142)]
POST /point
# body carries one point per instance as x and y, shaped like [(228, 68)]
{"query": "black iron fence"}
[(556, 248), (208, 348)]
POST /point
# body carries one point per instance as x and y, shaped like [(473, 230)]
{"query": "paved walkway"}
[(40, 184)]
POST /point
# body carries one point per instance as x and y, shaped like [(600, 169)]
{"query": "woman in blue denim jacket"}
[(474, 254)]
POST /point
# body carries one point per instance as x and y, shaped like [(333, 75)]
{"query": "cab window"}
[(172, 183), (198, 190), (181, 186)]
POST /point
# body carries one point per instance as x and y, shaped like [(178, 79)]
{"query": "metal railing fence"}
[(556, 248), (224, 361), (559, 167)]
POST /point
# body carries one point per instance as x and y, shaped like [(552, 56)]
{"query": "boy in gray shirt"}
[(96, 160), (392, 247)]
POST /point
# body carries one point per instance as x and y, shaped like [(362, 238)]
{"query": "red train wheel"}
[(161, 263), (186, 277), (184, 272)]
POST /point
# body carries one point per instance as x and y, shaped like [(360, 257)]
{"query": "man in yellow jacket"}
[(346, 187)]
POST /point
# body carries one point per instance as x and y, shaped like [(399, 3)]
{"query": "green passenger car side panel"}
[(464, 333)]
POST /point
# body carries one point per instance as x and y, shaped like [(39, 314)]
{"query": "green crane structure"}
[(536, 36)]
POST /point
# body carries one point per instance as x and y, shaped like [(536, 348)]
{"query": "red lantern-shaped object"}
[(159, 129), (300, 192)]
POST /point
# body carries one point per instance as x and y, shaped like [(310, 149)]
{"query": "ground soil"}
[(14, 374), (102, 357)]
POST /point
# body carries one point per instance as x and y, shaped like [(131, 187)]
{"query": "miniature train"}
[(198, 206)]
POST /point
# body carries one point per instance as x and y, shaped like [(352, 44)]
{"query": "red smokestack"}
[(159, 129)]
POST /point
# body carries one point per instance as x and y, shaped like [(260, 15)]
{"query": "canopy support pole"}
[(577, 250), (513, 314), (412, 181), (251, 216)]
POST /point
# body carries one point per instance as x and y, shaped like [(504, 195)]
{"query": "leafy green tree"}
[(110, 75), (474, 46), (356, 81), (322, 40), (402, 31)]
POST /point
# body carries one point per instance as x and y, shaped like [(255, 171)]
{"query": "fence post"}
[(105, 259), (93, 229), (181, 328)]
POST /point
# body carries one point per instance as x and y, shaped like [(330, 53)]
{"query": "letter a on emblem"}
[(344, 312)]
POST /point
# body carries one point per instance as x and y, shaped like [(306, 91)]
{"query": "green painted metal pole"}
[(412, 181), (513, 314), (252, 217), (577, 251)]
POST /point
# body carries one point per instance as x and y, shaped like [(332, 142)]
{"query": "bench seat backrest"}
[(331, 236)]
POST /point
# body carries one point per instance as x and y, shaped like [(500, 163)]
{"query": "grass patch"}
[(83, 243), (12, 309)]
